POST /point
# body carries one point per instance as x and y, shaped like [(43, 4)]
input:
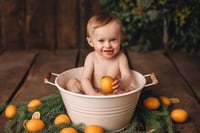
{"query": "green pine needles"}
[(144, 120)]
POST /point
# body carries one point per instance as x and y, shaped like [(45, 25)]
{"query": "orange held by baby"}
[(106, 84)]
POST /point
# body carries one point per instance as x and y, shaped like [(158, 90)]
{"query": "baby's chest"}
[(111, 69)]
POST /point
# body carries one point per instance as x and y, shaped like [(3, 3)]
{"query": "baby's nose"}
[(107, 44)]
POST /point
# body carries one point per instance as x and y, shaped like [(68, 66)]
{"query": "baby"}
[(104, 34)]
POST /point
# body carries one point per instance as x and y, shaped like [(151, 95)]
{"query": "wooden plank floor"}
[(171, 84), (22, 74)]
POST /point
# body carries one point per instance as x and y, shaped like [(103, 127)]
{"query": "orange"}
[(151, 103), (94, 129), (165, 100), (33, 105), (34, 125), (179, 115), (10, 111), (68, 130), (106, 84), (61, 118)]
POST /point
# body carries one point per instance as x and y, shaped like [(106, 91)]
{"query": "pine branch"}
[(53, 105)]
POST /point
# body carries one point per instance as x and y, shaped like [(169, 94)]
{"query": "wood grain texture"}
[(189, 66), (170, 84), (47, 61), (12, 23), (13, 68), (46, 24)]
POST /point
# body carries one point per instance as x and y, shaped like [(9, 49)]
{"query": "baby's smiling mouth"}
[(108, 51)]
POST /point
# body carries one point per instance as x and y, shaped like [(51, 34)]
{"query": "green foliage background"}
[(150, 24)]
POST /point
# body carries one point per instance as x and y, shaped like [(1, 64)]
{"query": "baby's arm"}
[(125, 71), (86, 80)]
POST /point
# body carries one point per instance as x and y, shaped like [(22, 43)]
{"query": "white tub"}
[(112, 112)]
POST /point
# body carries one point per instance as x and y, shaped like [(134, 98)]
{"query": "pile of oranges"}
[(177, 115), (35, 124)]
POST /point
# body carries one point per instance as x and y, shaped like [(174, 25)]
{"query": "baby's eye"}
[(112, 40), (101, 40)]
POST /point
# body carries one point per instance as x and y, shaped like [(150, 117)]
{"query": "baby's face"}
[(106, 39)]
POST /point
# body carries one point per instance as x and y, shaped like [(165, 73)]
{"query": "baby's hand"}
[(116, 85)]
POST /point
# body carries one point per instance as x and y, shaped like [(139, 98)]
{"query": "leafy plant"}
[(172, 24)]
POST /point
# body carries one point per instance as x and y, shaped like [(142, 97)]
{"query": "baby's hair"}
[(101, 19)]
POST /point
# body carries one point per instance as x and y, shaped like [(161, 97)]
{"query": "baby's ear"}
[(89, 40)]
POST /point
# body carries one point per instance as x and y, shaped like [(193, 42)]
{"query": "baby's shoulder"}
[(122, 58), (90, 56), (121, 55)]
